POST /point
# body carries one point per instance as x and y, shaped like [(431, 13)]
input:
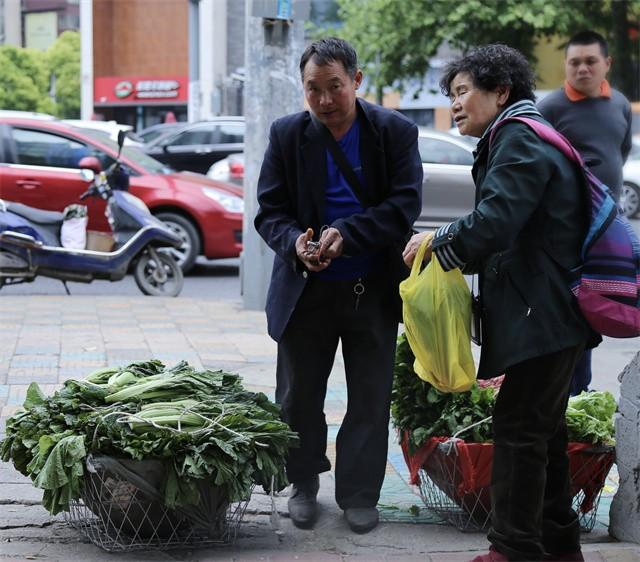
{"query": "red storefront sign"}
[(140, 90)]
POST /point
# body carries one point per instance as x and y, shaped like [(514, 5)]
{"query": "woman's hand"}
[(411, 249)]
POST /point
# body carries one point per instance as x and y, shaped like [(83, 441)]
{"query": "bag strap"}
[(557, 139), (341, 161), (548, 134)]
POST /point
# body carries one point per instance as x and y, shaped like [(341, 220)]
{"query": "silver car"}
[(448, 191), (630, 199)]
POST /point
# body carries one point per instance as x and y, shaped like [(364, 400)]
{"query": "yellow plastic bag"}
[(436, 308)]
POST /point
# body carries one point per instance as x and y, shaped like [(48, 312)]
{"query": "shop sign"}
[(140, 89)]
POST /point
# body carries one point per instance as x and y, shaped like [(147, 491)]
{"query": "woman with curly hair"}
[(522, 239)]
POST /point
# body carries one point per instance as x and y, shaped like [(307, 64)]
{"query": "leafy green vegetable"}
[(590, 417), (424, 411), (203, 424)]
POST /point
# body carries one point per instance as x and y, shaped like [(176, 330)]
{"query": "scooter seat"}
[(35, 215)]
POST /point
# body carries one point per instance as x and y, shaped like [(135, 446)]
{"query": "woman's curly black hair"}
[(491, 66)]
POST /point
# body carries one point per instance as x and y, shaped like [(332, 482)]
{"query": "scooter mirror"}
[(87, 175), (121, 136), (90, 163)]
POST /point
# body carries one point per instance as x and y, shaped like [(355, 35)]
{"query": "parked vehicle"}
[(229, 169), (148, 134), (448, 191), (109, 128), (630, 197), (27, 114), (30, 240), (195, 147), (39, 166)]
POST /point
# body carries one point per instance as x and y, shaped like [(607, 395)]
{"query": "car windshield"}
[(148, 136), (133, 153)]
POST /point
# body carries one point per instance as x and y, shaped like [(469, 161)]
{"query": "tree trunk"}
[(379, 95), (624, 70)]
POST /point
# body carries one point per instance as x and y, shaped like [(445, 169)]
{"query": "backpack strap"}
[(606, 206), (548, 134), (555, 138)]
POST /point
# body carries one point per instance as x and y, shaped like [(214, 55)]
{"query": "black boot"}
[(361, 519), (303, 506)]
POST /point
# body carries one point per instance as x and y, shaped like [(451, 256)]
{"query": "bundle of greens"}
[(204, 424), (423, 411), (590, 417)]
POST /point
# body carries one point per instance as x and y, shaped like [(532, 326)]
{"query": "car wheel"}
[(189, 250), (630, 200)]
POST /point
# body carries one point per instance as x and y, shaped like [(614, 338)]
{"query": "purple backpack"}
[(607, 284)]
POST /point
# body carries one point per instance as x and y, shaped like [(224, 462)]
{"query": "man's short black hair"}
[(330, 49), (588, 37), (491, 66)]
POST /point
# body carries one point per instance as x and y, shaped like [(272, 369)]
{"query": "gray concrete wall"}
[(625, 507)]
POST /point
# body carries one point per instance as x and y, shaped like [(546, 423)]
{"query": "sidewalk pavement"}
[(51, 339)]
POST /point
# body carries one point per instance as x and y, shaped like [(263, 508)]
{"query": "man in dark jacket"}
[(337, 240), (523, 238)]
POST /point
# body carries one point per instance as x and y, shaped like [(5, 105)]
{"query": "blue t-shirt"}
[(340, 202)]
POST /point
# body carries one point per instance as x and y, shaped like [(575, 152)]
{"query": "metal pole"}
[(272, 89), (86, 59), (193, 109)]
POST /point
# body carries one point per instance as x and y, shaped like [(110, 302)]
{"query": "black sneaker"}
[(303, 507), (361, 519)]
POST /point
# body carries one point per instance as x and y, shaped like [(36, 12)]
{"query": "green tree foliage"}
[(64, 64), (27, 75), (24, 80), (396, 39)]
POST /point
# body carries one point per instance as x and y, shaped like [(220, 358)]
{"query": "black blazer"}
[(291, 197)]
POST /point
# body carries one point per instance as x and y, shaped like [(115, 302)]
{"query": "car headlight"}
[(231, 203)]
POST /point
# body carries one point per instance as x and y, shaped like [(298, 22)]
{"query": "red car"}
[(39, 167)]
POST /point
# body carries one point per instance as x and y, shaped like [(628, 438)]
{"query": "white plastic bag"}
[(73, 234)]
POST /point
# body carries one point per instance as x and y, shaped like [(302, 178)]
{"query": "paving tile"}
[(33, 348), (86, 333), (9, 410), (77, 372), (212, 359), (34, 361), (26, 375)]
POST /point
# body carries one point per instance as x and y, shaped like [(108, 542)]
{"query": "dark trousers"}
[(530, 493), (325, 314), (582, 374)]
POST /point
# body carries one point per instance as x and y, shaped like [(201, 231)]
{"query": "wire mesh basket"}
[(451, 486), (454, 481), (119, 515)]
